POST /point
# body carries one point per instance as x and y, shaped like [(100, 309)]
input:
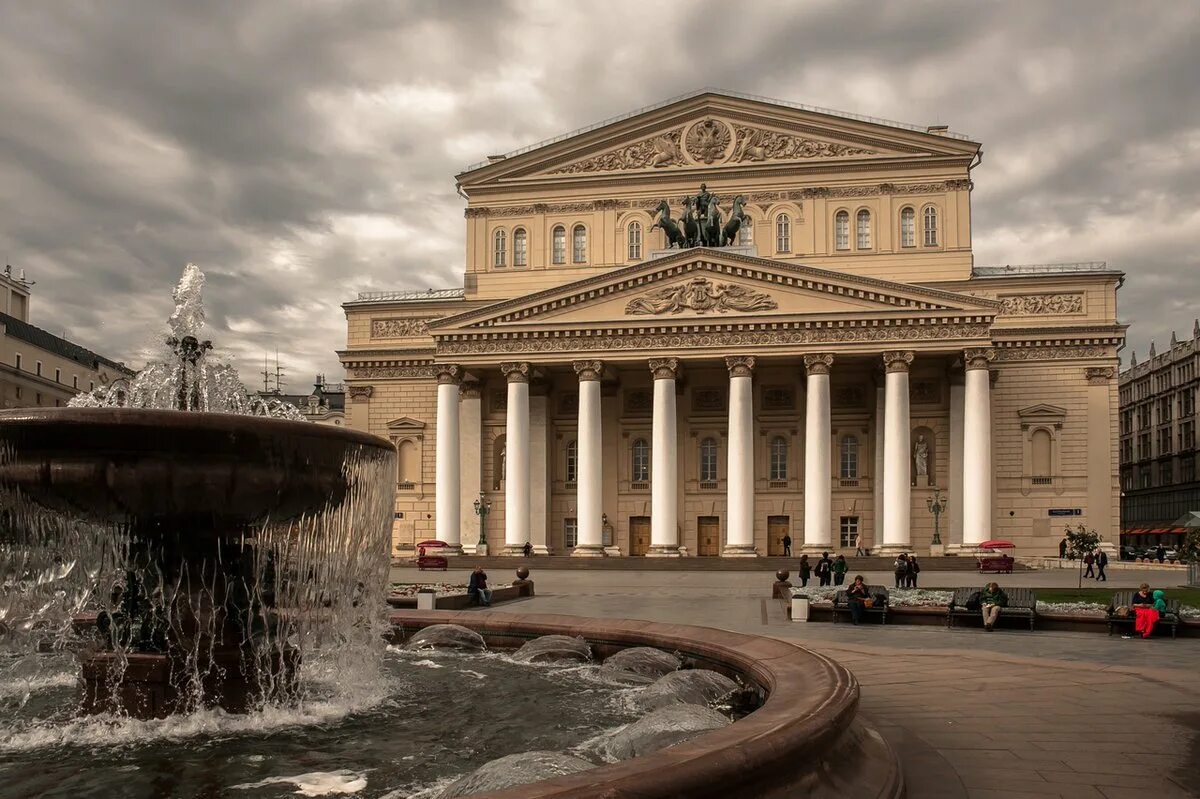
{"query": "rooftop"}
[(429, 295), (31, 334), (1040, 269)]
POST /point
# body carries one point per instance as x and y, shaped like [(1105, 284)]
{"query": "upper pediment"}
[(712, 285), (712, 129)]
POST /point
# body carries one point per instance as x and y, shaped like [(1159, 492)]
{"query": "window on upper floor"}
[(639, 471), (74, 381), (783, 233), (579, 245), (708, 460), (633, 239), (499, 249), (520, 247), (863, 238), (58, 375), (849, 458), (570, 532), (908, 227), (779, 459), (1041, 445), (931, 226), (1187, 470), (17, 361), (38, 368), (572, 454), (841, 230), (558, 245)]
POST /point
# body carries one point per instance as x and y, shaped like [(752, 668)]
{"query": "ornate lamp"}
[(937, 506), (483, 507)]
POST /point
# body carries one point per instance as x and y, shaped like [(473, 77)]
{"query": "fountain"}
[(214, 538)]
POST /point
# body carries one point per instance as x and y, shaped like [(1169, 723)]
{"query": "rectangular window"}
[(18, 392), (74, 381), (708, 461), (908, 228), (520, 248), (847, 531), (570, 533), (849, 458), (18, 360), (1187, 470), (1164, 474), (39, 368), (635, 242), (783, 234), (58, 375), (579, 244), (864, 230), (558, 247), (841, 231)]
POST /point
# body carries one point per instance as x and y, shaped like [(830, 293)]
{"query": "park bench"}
[(1001, 564), (1022, 604), (879, 608), (1124, 599)]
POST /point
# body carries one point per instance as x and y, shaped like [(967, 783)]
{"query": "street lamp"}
[(483, 507), (937, 506)]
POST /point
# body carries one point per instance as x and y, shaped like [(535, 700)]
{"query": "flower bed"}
[(411, 589), (925, 597)]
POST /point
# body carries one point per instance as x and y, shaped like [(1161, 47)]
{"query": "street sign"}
[(1065, 511)]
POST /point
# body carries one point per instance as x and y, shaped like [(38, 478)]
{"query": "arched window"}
[(639, 471), (841, 230), (708, 460), (1041, 441), (558, 245), (499, 249), (746, 231), (409, 468), (572, 461), (931, 237), (849, 458), (783, 233), (520, 247), (779, 458), (579, 245), (908, 227), (634, 238), (864, 230)]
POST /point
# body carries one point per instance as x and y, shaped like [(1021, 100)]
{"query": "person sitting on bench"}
[(1147, 609), (856, 598), (477, 587), (991, 601)]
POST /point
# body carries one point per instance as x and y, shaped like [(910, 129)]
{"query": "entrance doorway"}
[(639, 535), (708, 532), (777, 528)]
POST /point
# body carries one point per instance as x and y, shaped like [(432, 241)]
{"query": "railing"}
[(1039, 269), (639, 485), (847, 482), (1042, 481), (394, 296), (405, 486), (777, 484), (709, 485)]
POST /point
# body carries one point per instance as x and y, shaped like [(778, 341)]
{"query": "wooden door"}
[(639, 535), (777, 528), (708, 533)]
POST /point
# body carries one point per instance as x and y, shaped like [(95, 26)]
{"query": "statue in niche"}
[(921, 457)]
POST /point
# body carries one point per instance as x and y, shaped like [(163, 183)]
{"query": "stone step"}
[(766, 564)]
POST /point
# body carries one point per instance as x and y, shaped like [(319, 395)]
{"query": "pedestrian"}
[(1062, 549), (805, 571), (901, 569), (1088, 560), (839, 570), (1101, 562), (1160, 553), (859, 552), (787, 545), (527, 549), (914, 569), (824, 570)]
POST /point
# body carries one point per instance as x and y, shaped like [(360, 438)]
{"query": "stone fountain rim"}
[(230, 423), (793, 739)]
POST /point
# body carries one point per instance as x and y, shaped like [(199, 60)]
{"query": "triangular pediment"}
[(716, 130), (1042, 413), (711, 285), (405, 424)]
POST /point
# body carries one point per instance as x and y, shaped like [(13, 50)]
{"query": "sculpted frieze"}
[(702, 296), (655, 152), (393, 371), (756, 144), (1049, 353), (1041, 304), (708, 141), (399, 328)]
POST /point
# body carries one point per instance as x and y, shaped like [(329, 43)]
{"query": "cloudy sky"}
[(301, 152)]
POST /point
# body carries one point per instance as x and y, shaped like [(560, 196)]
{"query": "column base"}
[(448, 550), (541, 549), (612, 552), (739, 551), (814, 549), (960, 550), (588, 551), (893, 549), (480, 550), (662, 551)]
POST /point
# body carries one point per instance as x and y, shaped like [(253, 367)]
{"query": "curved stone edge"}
[(805, 740)]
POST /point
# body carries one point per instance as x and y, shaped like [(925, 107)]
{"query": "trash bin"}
[(427, 599), (799, 607)]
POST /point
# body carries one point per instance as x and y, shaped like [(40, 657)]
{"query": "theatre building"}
[(824, 362)]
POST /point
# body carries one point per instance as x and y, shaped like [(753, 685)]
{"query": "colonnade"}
[(664, 474)]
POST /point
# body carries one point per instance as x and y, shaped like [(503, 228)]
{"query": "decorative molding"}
[(655, 152), (361, 392), (1040, 304), (1099, 375), (447, 373), (588, 370), (740, 365), (757, 144), (376, 372), (897, 360), (515, 371), (978, 357), (818, 363), (400, 328), (702, 296), (470, 389), (1056, 353), (708, 141), (664, 368)]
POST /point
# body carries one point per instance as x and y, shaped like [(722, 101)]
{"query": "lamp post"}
[(937, 506), (483, 507)]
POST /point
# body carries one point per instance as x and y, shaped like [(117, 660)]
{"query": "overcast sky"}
[(301, 152)]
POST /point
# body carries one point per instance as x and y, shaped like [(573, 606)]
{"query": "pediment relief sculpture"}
[(657, 151), (756, 144), (399, 328), (702, 296), (1041, 304)]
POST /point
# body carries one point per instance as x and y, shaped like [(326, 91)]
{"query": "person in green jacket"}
[(991, 599), (1160, 601), (839, 570)]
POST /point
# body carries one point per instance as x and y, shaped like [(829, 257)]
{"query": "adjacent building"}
[(833, 366), (38, 368), (1160, 490), (325, 404)]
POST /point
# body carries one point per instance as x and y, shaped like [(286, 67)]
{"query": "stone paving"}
[(1009, 714)]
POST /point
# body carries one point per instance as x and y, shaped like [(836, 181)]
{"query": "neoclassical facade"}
[(839, 365)]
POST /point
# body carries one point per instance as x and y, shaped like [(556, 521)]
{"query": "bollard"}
[(799, 607), (426, 599)]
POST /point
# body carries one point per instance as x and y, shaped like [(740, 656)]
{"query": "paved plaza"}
[(1008, 714)]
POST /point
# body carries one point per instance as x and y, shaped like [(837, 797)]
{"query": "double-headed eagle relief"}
[(702, 296), (703, 224)]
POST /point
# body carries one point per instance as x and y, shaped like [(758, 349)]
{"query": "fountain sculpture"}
[(216, 540)]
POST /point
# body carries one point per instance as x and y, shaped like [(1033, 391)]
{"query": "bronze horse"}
[(691, 229), (710, 231), (663, 220), (737, 218)]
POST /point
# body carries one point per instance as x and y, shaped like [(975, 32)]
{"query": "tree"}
[(1189, 550), (1081, 541)]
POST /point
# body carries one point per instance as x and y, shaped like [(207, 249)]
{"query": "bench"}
[(877, 592), (1124, 599), (1022, 604), (426, 562), (996, 565)]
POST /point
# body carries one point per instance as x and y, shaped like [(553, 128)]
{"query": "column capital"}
[(1099, 375), (664, 368), (978, 357), (361, 392), (588, 370), (470, 389), (897, 360), (818, 363), (740, 365), (447, 373), (515, 371)]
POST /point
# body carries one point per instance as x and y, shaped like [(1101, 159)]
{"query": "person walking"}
[(1101, 562), (839, 570), (1062, 549), (859, 552), (824, 570), (805, 571), (900, 567), (1089, 560), (1160, 553), (787, 545), (911, 573)]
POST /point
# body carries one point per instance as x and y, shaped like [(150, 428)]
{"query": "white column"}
[(447, 522), (876, 539), (470, 452), (739, 477), (818, 477), (952, 520), (897, 471), (977, 448), (589, 481), (539, 470), (664, 465), (516, 469)]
